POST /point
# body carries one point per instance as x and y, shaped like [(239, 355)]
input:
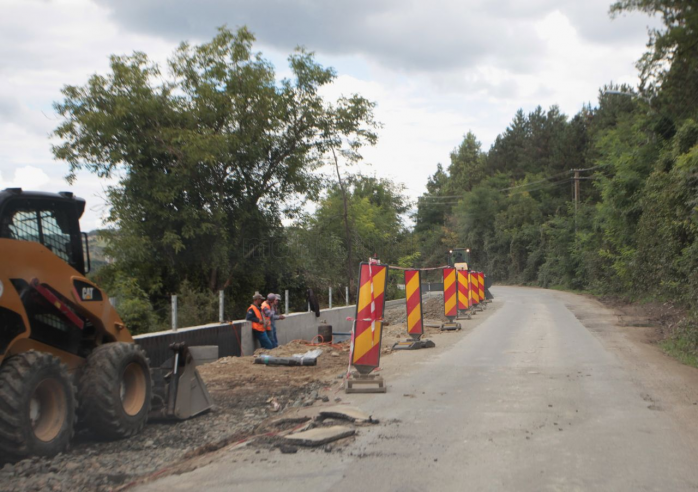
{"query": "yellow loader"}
[(65, 354)]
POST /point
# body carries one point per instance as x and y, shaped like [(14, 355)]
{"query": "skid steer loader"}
[(65, 354)]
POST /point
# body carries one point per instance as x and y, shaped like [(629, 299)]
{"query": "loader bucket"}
[(179, 392)]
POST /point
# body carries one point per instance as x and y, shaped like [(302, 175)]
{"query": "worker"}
[(270, 310), (275, 316), (268, 313), (254, 314)]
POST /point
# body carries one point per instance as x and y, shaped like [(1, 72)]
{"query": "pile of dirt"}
[(249, 376)]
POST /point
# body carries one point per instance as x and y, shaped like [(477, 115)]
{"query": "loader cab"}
[(458, 256), (51, 219)]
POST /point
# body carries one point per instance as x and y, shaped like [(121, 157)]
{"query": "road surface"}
[(544, 391)]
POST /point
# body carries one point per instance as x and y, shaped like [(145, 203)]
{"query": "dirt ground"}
[(246, 396), (658, 318)]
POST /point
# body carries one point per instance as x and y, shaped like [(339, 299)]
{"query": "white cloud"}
[(436, 69), (26, 176)]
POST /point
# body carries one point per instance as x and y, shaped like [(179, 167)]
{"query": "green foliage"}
[(375, 212), (668, 69), (195, 307), (132, 304), (210, 154)]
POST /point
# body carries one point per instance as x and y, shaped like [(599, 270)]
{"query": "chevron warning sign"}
[(474, 288), (368, 328), (413, 290), (462, 290), (450, 293), (481, 286)]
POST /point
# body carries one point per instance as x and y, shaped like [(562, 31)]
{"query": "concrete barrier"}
[(227, 336), (235, 338)]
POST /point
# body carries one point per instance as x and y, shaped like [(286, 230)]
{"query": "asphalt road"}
[(542, 392)]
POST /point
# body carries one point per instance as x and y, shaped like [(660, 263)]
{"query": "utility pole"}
[(576, 197)]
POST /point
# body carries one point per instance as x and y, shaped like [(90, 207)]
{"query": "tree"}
[(467, 165), (349, 127), (668, 69), (375, 213), (209, 156)]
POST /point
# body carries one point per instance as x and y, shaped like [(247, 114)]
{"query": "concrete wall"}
[(296, 326), (225, 335)]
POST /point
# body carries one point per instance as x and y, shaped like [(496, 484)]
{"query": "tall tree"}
[(669, 69), (209, 155), (349, 127), (467, 165)]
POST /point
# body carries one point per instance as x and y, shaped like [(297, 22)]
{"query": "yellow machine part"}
[(29, 260)]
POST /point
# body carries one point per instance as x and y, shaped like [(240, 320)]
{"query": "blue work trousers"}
[(263, 338), (274, 340)]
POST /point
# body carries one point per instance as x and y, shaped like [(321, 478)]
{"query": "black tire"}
[(37, 406), (115, 390)]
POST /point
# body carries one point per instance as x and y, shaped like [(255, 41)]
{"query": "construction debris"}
[(352, 414), (320, 435)]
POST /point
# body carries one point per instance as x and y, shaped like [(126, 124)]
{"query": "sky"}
[(436, 69)]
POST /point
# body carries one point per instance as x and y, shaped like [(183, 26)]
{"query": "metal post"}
[(174, 313), (221, 306), (308, 307), (576, 197), (286, 295), (330, 297), (346, 294), (112, 301)]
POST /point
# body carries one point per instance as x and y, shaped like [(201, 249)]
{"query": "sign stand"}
[(375, 383)]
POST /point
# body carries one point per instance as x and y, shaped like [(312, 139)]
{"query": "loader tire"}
[(37, 406), (115, 390)]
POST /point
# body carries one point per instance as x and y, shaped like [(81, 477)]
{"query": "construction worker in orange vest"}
[(254, 314), (268, 313)]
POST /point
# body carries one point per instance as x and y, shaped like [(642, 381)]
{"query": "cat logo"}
[(87, 293)]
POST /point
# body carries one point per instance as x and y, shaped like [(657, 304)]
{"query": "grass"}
[(681, 350), (563, 288)]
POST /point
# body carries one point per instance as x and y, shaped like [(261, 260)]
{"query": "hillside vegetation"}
[(633, 229)]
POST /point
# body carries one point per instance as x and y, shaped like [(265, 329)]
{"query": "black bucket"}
[(325, 333)]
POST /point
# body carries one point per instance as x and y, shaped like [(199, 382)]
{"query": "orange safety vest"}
[(258, 313), (267, 321)]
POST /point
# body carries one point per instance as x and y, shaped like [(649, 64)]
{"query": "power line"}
[(539, 188), (535, 182), (528, 187)]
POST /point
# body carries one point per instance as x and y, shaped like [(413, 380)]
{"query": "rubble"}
[(321, 435)]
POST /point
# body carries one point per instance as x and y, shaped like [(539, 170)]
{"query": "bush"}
[(132, 304)]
